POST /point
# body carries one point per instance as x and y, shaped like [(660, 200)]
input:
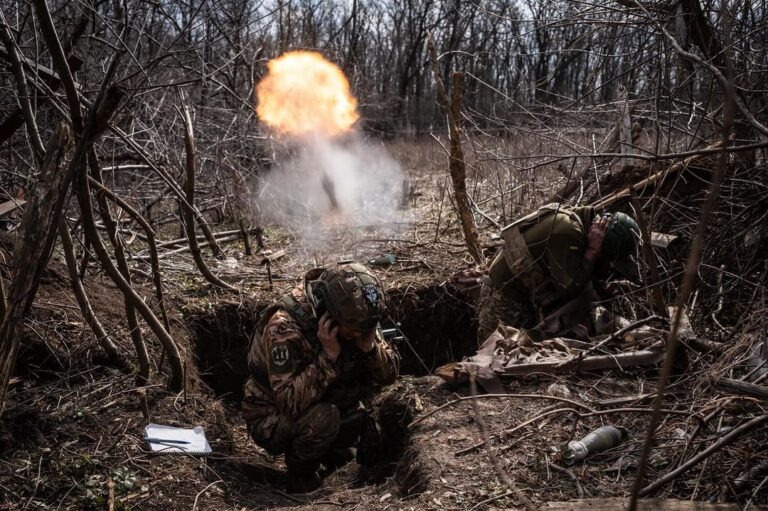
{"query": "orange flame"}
[(304, 94)]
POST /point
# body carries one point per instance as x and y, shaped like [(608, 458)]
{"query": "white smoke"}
[(367, 182)]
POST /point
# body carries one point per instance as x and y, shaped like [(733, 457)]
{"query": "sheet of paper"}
[(191, 441)]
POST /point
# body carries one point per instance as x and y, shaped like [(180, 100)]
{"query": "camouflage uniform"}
[(297, 400), (556, 241)]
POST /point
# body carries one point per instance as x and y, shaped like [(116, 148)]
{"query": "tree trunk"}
[(456, 163), (33, 248)]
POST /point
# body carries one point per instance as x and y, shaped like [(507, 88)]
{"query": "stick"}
[(722, 442), (654, 291), (494, 396), (569, 473), (742, 387), (691, 270), (617, 335), (481, 425)]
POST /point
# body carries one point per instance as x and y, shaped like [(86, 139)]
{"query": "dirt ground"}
[(71, 438)]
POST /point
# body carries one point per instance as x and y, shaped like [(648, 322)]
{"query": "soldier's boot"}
[(344, 447), (302, 476), (316, 431), (370, 448)]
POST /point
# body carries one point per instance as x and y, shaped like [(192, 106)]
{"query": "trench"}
[(438, 325)]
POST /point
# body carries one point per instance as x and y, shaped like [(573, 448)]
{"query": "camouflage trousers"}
[(307, 439), (494, 308)]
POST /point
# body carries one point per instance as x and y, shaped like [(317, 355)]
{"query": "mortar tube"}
[(330, 191)]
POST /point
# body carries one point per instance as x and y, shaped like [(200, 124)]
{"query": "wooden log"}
[(11, 205), (652, 181), (743, 388), (618, 361), (273, 257)]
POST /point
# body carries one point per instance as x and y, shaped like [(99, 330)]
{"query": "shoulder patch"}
[(281, 359), (370, 293)]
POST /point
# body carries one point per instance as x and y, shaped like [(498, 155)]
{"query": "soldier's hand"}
[(366, 343), (327, 334), (596, 236)]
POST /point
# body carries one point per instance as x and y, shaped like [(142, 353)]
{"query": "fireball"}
[(305, 94)]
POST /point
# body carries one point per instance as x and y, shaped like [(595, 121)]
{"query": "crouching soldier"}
[(541, 280), (315, 358)]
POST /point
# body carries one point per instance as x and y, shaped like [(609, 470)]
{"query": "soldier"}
[(313, 360), (548, 262)]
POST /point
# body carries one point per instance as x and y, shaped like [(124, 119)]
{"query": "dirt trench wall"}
[(221, 336), (437, 321)]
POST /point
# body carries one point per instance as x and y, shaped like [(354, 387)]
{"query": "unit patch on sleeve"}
[(281, 359)]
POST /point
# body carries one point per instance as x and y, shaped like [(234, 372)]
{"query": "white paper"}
[(197, 443)]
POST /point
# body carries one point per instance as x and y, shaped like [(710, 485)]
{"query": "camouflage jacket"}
[(290, 370)]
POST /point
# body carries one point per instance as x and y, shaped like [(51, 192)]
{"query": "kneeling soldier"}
[(548, 263), (314, 359)]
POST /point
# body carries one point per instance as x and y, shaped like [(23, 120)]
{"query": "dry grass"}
[(72, 427)]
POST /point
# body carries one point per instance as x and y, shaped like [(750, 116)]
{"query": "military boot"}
[(303, 482), (302, 476)]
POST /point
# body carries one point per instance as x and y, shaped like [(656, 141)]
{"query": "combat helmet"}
[(620, 242), (350, 293)]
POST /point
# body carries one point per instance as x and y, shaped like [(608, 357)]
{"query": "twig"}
[(569, 473), (491, 499), (111, 497), (481, 425), (618, 334), (194, 504), (692, 265), (497, 396), (722, 442)]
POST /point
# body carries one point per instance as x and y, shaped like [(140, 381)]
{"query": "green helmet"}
[(620, 242), (351, 294)]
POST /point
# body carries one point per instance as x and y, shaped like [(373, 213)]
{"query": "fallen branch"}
[(611, 338), (722, 442), (483, 427), (617, 361), (497, 396), (743, 388), (652, 181)]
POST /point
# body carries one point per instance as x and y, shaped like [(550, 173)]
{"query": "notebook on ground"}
[(172, 440)]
